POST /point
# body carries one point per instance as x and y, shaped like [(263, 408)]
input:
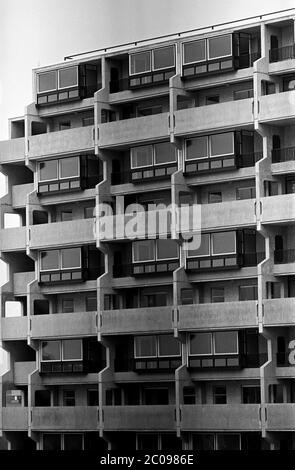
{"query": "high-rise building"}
[(143, 343)]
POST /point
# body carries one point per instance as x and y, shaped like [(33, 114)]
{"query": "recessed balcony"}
[(133, 131), (282, 59), (65, 325), (60, 418), (136, 418), (236, 417), (284, 262)]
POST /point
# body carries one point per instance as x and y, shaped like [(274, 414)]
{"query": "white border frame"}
[(221, 154), (39, 170), (146, 260), (202, 333), (40, 260), (71, 267), (221, 254), (220, 56), (69, 177), (225, 353), (51, 341), (145, 357), (43, 73), (153, 59), (201, 158), (62, 350), (165, 239), (144, 166), (69, 86), (198, 61), (165, 163), (145, 71)]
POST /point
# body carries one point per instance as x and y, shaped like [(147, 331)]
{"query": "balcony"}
[(14, 328), (12, 151), (139, 418), (282, 59), (74, 232), (64, 325), (60, 418), (135, 130), (236, 417), (279, 312), (231, 114), (281, 417), (21, 281), (136, 320), (22, 370), (19, 194), (283, 155), (13, 239), (278, 209), (277, 108), (15, 418), (218, 315), (79, 139), (284, 262), (230, 214)]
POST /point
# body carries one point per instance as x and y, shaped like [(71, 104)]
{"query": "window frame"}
[(156, 250), (164, 163), (68, 177), (146, 260), (153, 58), (212, 341), (69, 86), (195, 61), (39, 171), (62, 350), (43, 73), (225, 353), (201, 354), (142, 166), (221, 154), (130, 62), (59, 268), (157, 356), (220, 56), (223, 253), (151, 53), (72, 267), (40, 262)]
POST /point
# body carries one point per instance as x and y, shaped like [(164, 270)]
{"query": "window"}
[(68, 77), (228, 442), (13, 308), (217, 294), (66, 258), (156, 346), (67, 305), (204, 249), (148, 155), (194, 51), (214, 197), (209, 146), (154, 300), (47, 81), (214, 99), (48, 170), (203, 441), (51, 441), (219, 395), (164, 153), (66, 216), (220, 46), (246, 193), (49, 260), (152, 250), (65, 350), (251, 394), (87, 121), (166, 249), (69, 398), (91, 303), (163, 57), (63, 126), (189, 396), (187, 297), (89, 212), (140, 62), (223, 243), (92, 397), (69, 167), (219, 342), (70, 258), (248, 292), (141, 156), (156, 396), (143, 250)]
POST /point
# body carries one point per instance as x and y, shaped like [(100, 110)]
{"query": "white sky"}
[(37, 32)]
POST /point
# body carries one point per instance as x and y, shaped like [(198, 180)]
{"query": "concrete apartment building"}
[(140, 344)]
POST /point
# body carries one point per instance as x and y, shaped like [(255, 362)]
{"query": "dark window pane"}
[(145, 346), (72, 349), (220, 46), (48, 170), (66, 216), (201, 343), (73, 442), (63, 126), (164, 57), (89, 212), (168, 346), (69, 398), (204, 249), (217, 294), (223, 243), (222, 144), (228, 441), (214, 197), (92, 397), (50, 351), (194, 51), (69, 167), (67, 305), (203, 442), (167, 249), (47, 81), (51, 441), (147, 442), (251, 394), (67, 77), (91, 303), (197, 148), (219, 395), (164, 153), (49, 260), (141, 156), (71, 258), (143, 250), (154, 396), (225, 342), (140, 62), (248, 293)]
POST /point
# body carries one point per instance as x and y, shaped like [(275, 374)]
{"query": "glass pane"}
[(197, 148), (71, 258), (223, 243), (228, 441), (51, 351), (164, 153), (49, 260), (51, 442), (143, 250), (69, 167), (226, 342), (194, 51), (68, 77), (47, 81), (200, 343), (67, 305), (168, 346), (204, 249), (167, 249), (140, 62), (220, 46), (48, 170), (222, 144), (73, 442), (145, 346), (164, 57), (91, 304), (72, 349), (141, 156)]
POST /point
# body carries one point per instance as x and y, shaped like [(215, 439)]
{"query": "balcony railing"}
[(248, 159), (237, 361), (152, 364), (282, 53), (284, 256), (154, 267), (283, 155), (144, 174), (214, 262)]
